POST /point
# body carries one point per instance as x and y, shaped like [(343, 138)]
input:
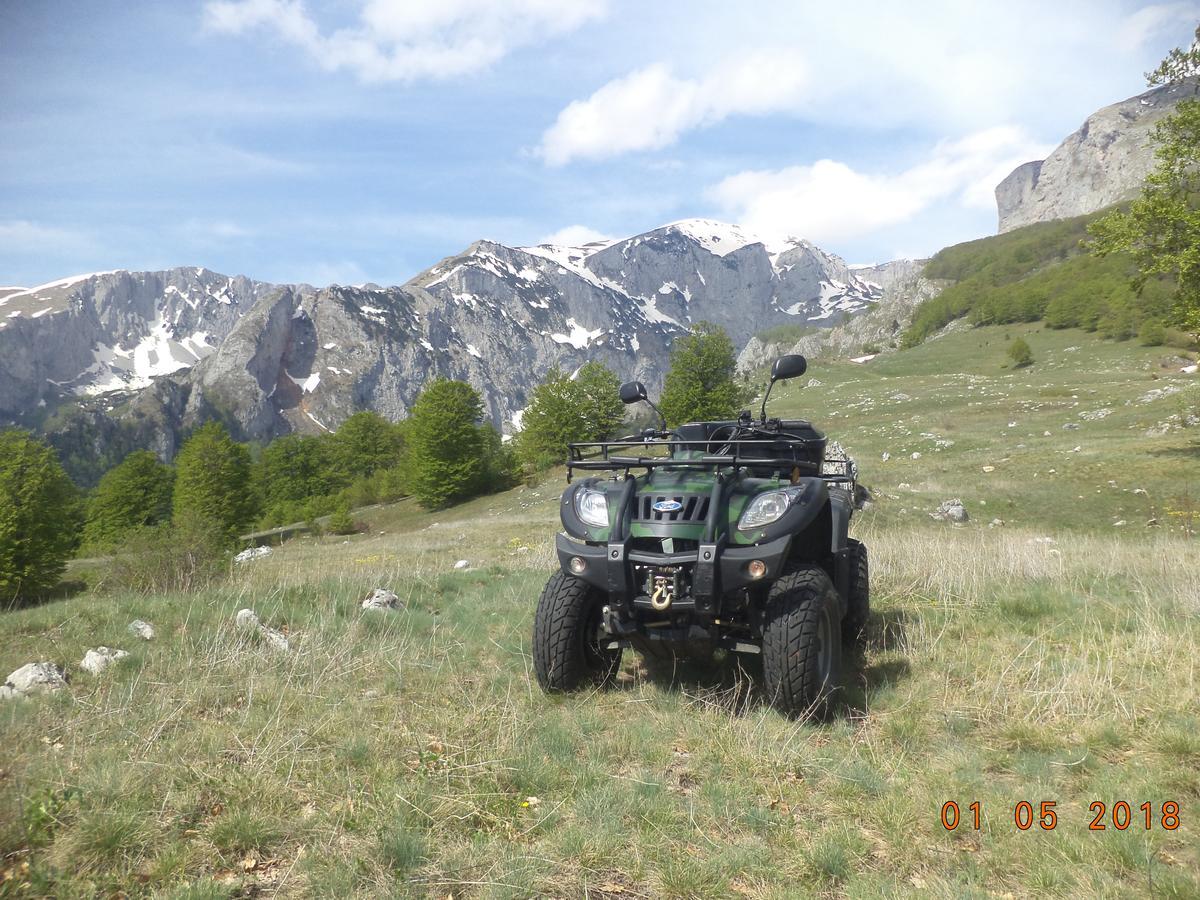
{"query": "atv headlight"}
[(767, 508), (592, 507)]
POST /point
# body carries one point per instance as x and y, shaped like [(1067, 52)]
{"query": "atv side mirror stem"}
[(793, 365), (635, 392)]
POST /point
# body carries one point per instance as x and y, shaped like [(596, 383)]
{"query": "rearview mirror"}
[(633, 392), (791, 366)]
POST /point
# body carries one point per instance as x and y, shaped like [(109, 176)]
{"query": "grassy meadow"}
[(1055, 658)]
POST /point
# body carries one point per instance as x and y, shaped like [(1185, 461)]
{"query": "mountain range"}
[(124, 359)]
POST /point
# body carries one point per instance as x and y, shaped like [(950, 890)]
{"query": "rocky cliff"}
[(114, 360), (1102, 163)]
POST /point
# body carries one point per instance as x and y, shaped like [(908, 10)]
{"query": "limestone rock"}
[(276, 640), (248, 620), (100, 658), (951, 511), (35, 678), (252, 553), (382, 598), (143, 630)]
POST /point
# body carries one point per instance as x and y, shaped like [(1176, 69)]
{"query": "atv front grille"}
[(689, 509)]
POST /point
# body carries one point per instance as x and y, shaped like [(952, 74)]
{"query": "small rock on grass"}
[(276, 640), (99, 659), (382, 598), (247, 620), (141, 629), (951, 511), (252, 553), (462, 564), (34, 678)]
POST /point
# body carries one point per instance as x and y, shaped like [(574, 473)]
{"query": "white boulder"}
[(276, 640), (99, 659), (462, 564), (382, 598), (34, 678), (143, 630)]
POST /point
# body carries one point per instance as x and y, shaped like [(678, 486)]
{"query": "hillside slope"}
[(1041, 271), (1049, 658)]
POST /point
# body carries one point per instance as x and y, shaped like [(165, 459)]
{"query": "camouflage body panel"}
[(681, 483)]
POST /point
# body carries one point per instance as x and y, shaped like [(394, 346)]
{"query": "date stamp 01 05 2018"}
[(1043, 813)]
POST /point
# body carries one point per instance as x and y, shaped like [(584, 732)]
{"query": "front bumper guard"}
[(718, 568)]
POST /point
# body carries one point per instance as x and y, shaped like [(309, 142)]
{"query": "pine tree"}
[(445, 445), (563, 410), (212, 482), (702, 382), (135, 494), (40, 516)]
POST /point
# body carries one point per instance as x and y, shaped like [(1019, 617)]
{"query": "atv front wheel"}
[(567, 635), (858, 607), (801, 643)]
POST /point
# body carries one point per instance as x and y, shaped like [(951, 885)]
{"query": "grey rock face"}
[(902, 288), (1102, 163), (144, 357)]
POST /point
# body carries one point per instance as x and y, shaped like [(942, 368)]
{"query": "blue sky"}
[(363, 140)]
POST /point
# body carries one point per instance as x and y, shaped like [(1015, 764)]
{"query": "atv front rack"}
[(690, 454)]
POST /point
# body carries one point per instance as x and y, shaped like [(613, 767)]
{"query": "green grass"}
[(412, 754)]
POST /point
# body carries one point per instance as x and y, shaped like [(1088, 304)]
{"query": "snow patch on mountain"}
[(579, 338), (161, 352)]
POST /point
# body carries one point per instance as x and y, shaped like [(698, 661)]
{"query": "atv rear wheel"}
[(567, 635), (801, 644), (858, 607)]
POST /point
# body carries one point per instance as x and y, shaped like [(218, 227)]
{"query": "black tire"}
[(801, 645), (566, 637), (858, 606)]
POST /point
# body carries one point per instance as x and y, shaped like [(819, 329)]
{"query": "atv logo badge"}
[(667, 506)]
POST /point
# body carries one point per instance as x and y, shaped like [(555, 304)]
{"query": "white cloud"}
[(651, 107), (574, 236), (942, 66), (1151, 21), (829, 201), (404, 40)]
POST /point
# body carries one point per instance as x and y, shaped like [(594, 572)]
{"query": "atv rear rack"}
[(735, 454)]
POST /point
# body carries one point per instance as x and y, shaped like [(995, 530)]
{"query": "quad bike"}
[(731, 535)]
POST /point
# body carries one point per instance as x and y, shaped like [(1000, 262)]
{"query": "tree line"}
[(193, 511)]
